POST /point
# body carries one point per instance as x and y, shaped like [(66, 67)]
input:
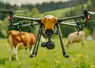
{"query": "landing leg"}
[(62, 45), (35, 49)]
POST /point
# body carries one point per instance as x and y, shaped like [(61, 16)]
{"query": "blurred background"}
[(40, 8)]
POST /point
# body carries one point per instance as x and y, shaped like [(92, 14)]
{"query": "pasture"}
[(79, 57)]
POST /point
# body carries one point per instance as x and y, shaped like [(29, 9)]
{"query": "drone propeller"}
[(10, 16), (83, 16), (91, 12), (5, 11), (18, 11), (13, 11), (10, 12)]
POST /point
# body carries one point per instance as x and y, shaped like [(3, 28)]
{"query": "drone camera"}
[(43, 44), (49, 45)]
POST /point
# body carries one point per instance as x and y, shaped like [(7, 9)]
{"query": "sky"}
[(19, 2)]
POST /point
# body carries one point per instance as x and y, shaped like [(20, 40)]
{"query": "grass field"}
[(79, 57)]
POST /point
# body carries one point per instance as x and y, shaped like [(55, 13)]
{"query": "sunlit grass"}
[(79, 57)]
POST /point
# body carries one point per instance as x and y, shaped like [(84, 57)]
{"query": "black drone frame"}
[(40, 31)]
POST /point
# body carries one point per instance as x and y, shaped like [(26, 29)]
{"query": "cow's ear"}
[(10, 31)]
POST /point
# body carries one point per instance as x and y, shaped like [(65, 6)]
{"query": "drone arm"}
[(85, 15), (69, 18), (69, 24), (76, 24), (27, 18), (35, 49), (28, 24), (62, 45)]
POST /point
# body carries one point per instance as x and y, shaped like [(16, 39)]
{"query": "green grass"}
[(79, 57)]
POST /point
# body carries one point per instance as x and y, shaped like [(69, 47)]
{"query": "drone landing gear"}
[(62, 45), (35, 49), (50, 44)]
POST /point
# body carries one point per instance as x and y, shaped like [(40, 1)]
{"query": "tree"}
[(34, 13), (3, 28)]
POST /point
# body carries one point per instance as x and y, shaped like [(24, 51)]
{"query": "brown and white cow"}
[(16, 39), (76, 37)]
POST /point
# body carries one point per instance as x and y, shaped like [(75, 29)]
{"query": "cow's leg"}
[(67, 45), (10, 47), (10, 53), (26, 51), (15, 51), (82, 42), (42, 39)]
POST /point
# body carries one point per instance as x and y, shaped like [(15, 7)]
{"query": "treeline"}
[(44, 7), (54, 5), (7, 6)]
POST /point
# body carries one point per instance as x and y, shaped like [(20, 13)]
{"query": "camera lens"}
[(50, 45)]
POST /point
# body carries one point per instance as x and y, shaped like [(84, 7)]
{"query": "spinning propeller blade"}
[(91, 12), (84, 15), (6, 11), (69, 18), (12, 11), (18, 11)]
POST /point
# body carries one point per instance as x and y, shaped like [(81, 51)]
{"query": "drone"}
[(48, 25)]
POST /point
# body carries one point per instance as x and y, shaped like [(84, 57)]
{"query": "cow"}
[(76, 37), (16, 39)]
